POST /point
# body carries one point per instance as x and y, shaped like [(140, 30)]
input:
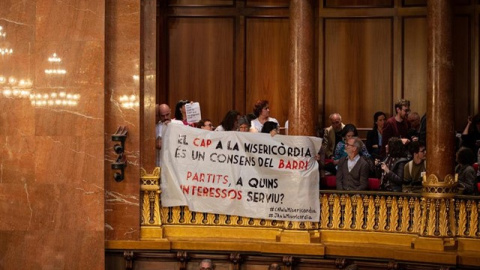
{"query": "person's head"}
[(475, 126), (402, 108), (396, 148), (205, 124), (336, 121), (379, 120), (349, 131), (250, 117), (163, 112), (274, 266), (206, 264), (353, 146), (180, 109), (414, 120), (418, 150), (230, 121), (270, 127), (261, 108), (465, 156), (243, 124)]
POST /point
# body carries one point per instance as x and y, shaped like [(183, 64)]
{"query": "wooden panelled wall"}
[(226, 54)]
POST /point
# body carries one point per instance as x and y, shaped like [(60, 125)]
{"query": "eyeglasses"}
[(347, 144)]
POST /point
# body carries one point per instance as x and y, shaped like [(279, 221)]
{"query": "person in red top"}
[(397, 126)]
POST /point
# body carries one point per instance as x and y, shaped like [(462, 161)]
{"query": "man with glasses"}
[(415, 169), (205, 124), (397, 126), (206, 264), (352, 170)]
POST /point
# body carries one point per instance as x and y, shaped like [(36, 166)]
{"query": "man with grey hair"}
[(206, 264), (353, 170), (332, 134)]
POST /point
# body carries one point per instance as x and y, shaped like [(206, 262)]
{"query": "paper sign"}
[(193, 112)]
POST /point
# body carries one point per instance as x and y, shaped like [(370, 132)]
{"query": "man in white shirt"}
[(163, 113)]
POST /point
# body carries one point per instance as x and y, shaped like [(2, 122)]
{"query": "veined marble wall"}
[(52, 133)]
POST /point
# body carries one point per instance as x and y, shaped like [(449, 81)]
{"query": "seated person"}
[(353, 171), (270, 127), (391, 169), (332, 134), (205, 124), (415, 169), (349, 131), (466, 173)]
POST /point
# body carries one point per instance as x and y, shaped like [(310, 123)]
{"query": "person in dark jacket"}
[(353, 170), (374, 136), (392, 167), (466, 172)]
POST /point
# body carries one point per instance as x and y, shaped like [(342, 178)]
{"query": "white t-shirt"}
[(159, 129), (256, 126)]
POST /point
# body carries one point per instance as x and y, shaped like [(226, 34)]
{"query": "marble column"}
[(440, 102), (302, 110)]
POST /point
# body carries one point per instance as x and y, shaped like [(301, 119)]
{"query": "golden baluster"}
[(394, 215), (382, 214), (336, 212), (348, 213)]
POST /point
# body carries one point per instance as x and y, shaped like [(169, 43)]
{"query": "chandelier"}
[(5, 49), (59, 98)]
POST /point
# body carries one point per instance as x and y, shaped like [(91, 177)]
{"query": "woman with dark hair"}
[(270, 127), (262, 112), (229, 122), (392, 168), (471, 134), (466, 173), (349, 131), (374, 136), (180, 113)]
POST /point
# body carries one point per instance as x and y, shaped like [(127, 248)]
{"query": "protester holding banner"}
[(243, 124), (270, 127), (205, 124), (262, 112), (229, 122), (240, 173)]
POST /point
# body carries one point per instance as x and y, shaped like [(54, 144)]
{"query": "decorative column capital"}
[(436, 189)]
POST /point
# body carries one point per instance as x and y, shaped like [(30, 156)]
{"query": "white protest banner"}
[(241, 173), (193, 112)]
